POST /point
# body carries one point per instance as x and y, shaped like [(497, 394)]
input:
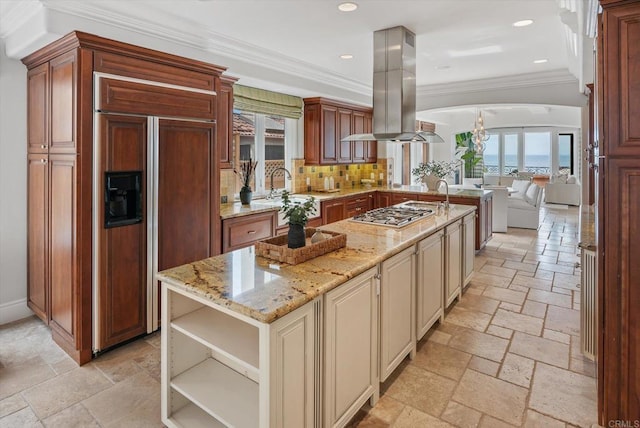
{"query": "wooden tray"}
[(276, 248)]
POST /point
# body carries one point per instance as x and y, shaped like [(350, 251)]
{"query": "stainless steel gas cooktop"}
[(397, 215)]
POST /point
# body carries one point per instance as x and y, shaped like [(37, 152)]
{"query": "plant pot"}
[(432, 182), (245, 195), (296, 236)]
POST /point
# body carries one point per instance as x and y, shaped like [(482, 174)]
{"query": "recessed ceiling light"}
[(540, 61), (347, 6), (346, 56), (442, 67), (523, 23)]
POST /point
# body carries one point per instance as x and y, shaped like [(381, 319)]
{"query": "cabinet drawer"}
[(243, 231)]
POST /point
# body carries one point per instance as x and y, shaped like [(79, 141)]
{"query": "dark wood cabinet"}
[(358, 204), (338, 209), (400, 197), (484, 210), (326, 122), (345, 118), (224, 121), (618, 212), (62, 178), (383, 199), (333, 210), (240, 232), (37, 226), (122, 300), (65, 297)]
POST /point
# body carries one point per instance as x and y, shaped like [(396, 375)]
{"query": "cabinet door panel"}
[(329, 134), (397, 314), (350, 348), (430, 283), (123, 250), (333, 211), (453, 262), (185, 192), (344, 130), (62, 244), (224, 122), (37, 212), (38, 113), (358, 147), (469, 247), (63, 103)]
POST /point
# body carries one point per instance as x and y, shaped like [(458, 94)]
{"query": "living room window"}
[(541, 151)]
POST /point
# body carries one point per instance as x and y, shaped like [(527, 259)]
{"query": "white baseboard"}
[(13, 311)]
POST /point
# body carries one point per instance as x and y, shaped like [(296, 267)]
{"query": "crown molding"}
[(15, 14), (517, 81), (196, 37)]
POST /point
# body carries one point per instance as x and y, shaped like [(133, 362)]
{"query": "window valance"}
[(257, 100)]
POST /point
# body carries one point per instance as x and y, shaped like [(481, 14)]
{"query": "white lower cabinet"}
[(429, 282), (468, 247), (220, 368), (397, 311), (453, 262), (350, 348)]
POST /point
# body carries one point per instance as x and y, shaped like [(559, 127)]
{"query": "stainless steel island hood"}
[(394, 89)]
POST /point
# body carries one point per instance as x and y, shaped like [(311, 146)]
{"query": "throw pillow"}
[(520, 186), (531, 196), (572, 179)]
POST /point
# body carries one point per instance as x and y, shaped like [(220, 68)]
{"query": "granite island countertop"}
[(235, 209), (266, 290)]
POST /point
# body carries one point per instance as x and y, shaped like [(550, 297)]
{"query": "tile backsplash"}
[(344, 176)]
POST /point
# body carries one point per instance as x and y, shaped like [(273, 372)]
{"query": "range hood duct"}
[(394, 89)]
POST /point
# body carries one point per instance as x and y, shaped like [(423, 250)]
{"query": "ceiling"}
[(294, 46)]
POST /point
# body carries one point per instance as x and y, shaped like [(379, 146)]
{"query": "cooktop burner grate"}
[(396, 216)]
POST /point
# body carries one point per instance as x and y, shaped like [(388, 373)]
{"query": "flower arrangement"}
[(245, 171), (297, 212), (440, 169)]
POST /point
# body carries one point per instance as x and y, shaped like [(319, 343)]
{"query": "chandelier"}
[(479, 134)]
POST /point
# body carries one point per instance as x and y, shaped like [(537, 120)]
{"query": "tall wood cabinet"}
[(68, 249), (618, 199), (326, 122)]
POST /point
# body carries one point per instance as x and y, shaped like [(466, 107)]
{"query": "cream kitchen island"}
[(248, 342)]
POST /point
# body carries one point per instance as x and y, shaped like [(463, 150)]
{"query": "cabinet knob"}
[(43, 161), (43, 146)]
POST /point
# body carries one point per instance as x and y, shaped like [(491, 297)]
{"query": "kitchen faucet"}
[(271, 192), (446, 204)]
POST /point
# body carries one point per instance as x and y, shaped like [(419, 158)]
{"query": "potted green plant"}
[(470, 158), (432, 171), (245, 172), (297, 214)]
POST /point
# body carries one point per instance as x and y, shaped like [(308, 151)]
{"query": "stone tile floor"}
[(508, 354)]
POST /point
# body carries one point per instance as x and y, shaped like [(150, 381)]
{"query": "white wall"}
[(13, 189)]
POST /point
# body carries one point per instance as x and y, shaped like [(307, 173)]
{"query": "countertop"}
[(236, 209), (266, 290), (587, 238)]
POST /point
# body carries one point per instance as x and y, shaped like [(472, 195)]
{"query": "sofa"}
[(563, 189), (523, 206)]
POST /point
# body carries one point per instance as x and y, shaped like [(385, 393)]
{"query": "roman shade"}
[(257, 100)]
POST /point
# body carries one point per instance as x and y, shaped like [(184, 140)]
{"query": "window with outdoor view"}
[(261, 138), (491, 154), (537, 152), (565, 153), (510, 153)]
